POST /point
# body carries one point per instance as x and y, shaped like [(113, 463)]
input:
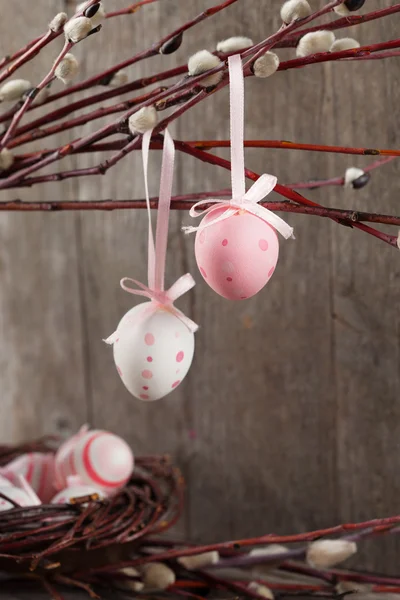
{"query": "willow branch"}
[(186, 201), (129, 10)]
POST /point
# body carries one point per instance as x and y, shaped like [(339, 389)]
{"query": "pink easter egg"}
[(38, 469), (19, 496), (75, 491), (153, 354), (64, 457), (101, 459), (236, 256)]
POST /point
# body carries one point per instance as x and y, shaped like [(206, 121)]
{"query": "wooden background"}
[(290, 417)]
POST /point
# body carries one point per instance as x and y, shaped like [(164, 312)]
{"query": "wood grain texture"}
[(288, 419)]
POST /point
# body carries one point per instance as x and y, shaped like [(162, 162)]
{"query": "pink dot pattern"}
[(119, 371), (149, 339), (144, 396), (237, 255), (147, 374), (149, 359), (176, 383), (145, 387), (180, 356)]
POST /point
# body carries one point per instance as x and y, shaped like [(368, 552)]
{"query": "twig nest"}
[(261, 590), (201, 62), (95, 13), (344, 44), (349, 6), (6, 159), (315, 42), (266, 65), (234, 44), (67, 69), (199, 561), (157, 576), (130, 583), (77, 29), (58, 22), (144, 119), (14, 90), (356, 178), (324, 554), (293, 10)]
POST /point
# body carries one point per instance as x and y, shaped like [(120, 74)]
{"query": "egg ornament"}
[(236, 246), (153, 352), (100, 459), (38, 469), (153, 344), (236, 256)]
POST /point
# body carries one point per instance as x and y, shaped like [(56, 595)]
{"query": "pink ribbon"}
[(241, 200), (154, 291)]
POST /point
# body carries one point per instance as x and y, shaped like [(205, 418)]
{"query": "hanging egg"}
[(39, 471), (236, 256), (100, 459), (153, 353), (19, 496)]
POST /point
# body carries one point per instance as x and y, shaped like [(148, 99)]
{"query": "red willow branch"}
[(33, 48), (22, 134), (349, 21), (286, 192), (129, 10), (186, 201), (152, 51)]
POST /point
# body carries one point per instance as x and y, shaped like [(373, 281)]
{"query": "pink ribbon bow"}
[(241, 200), (154, 291)]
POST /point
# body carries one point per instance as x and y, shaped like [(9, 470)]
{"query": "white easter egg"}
[(19, 496), (76, 491), (4, 482), (154, 353)]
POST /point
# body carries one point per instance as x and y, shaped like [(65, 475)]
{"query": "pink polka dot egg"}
[(100, 459), (154, 353), (38, 469), (238, 255)]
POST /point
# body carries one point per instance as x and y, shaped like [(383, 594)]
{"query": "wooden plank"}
[(366, 286), (42, 363), (261, 393)]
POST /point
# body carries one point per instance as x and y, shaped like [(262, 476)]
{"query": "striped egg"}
[(100, 459), (19, 496), (39, 471), (64, 456)]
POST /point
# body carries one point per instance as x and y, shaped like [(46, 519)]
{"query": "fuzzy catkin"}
[(315, 42), (144, 119), (234, 44), (201, 62), (293, 10)]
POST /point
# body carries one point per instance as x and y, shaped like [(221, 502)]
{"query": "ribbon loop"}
[(264, 185), (154, 291)]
